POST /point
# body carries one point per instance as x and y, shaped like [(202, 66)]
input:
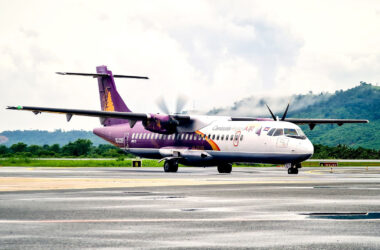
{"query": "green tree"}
[(19, 147)]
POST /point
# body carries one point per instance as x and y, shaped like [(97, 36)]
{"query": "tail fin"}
[(110, 100)]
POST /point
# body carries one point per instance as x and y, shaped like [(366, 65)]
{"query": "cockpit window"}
[(278, 132), (290, 131), (270, 133), (294, 133)]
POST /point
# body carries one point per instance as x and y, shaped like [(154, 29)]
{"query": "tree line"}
[(85, 148)]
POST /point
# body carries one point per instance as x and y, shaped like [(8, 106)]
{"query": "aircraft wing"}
[(178, 122), (310, 122)]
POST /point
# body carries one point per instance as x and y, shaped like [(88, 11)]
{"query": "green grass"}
[(27, 162)]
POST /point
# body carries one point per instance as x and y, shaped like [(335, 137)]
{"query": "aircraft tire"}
[(170, 166), (292, 170), (225, 168)]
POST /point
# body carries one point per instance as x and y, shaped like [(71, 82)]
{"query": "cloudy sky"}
[(214, 52)]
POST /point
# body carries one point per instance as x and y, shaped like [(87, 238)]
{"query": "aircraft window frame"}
[(271, 131), (290, 131), (280, 134)]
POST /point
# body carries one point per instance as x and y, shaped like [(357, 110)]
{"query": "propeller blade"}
[(181, 103), (270, 111), (162, 105), (286, 111)]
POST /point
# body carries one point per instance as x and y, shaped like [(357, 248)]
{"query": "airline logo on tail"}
[(108, 101)]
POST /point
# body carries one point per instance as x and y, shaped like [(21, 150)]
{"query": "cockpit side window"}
[(278, 132), (270, 133), (290, 131)]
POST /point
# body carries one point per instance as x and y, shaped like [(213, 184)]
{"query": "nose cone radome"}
[(308, 147)]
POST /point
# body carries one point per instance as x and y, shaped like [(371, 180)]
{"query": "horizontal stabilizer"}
[(95, 75)]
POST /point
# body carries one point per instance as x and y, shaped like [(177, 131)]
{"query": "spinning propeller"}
[(180, 104)]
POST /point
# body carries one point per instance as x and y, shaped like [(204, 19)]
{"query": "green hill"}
[(361, 102)]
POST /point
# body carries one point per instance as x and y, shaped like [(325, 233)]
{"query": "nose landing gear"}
[(293, 169)]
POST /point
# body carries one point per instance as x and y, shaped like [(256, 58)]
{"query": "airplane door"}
[(237, 138), (126, 140)]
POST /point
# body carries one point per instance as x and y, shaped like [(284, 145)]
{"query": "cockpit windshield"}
[(289, 132)]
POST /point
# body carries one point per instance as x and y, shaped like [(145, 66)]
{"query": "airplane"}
[(195, 140)]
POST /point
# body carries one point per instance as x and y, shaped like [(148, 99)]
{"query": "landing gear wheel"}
[(170, 166), (292, 170), (225, 168)]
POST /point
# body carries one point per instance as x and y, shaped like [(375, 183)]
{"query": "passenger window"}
[(182, 136), (213, 137), (222, 138), (140, 135), (270, 133), (187, 136), (236, 137), (160, 136), (231, 137), (278, 132), (226, 137), (190, 137), (241, 137), (217, 137)]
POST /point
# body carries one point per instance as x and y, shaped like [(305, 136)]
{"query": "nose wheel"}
[(292, 170)]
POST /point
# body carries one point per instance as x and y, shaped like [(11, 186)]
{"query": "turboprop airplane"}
[(195, 140)]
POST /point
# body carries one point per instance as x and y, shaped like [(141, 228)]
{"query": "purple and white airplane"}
[(195, 140)]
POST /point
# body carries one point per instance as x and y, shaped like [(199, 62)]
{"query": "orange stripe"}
[(213, 145)]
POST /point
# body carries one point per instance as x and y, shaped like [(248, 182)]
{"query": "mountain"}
[(361, 102)]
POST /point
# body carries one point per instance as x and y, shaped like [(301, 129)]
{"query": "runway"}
[(65, 208)]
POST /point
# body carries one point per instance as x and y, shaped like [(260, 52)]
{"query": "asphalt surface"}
[(70, 208)]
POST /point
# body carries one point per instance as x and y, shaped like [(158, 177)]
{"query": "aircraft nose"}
[(308, 147)]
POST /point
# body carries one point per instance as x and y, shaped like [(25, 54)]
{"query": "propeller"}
[(180, 104), (275, 118)]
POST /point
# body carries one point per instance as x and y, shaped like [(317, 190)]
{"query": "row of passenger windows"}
[(150, 136)]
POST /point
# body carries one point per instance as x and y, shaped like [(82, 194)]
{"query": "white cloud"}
[(215, 52)]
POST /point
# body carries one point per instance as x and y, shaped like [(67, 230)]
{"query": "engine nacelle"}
[(163, 124)]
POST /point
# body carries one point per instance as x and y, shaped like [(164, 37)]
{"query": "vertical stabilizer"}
[(110, 100)]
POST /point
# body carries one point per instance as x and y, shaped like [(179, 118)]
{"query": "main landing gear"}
[(225, 168), (294, 168), (171, 166)]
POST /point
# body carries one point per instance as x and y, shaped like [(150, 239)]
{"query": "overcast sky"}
[(214, 52)]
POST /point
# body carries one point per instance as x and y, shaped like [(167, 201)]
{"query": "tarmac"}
[(145, 208)]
